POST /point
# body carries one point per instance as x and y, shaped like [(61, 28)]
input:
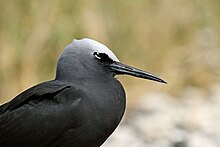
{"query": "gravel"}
[(159, 120)]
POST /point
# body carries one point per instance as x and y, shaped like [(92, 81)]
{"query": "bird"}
[(80, 107)]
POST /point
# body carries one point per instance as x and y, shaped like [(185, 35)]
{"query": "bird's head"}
[(87, 58)]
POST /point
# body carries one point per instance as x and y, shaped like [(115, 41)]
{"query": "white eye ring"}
[(97, 56)]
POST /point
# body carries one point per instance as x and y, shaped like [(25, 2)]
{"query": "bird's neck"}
[(81, 77)]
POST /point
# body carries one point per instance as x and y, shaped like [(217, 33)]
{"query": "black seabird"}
[(81, 107)]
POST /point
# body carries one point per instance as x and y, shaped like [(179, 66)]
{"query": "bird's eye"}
[(102, 57), (97, 55)]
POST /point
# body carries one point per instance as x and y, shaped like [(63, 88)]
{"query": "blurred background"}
[(177, 40)]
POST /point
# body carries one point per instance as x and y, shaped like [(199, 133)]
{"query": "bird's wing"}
[(50, 88), (39, 115)]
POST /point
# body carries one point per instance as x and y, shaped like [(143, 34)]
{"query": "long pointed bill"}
[(120, 68)]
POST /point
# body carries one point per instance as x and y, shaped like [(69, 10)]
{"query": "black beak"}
[(120, 68)]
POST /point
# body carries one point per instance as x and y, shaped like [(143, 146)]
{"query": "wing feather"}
[(46, 88)]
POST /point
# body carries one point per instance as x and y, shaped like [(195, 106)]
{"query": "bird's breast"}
[(104, 109)]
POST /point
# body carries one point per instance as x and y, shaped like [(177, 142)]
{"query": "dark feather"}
[(46, 88)]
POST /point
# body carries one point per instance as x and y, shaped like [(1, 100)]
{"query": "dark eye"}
[(97, 55), (102, 57)]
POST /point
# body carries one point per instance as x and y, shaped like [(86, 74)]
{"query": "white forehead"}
[(96, 47)]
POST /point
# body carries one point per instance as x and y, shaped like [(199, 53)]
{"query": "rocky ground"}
[(160, 120)]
